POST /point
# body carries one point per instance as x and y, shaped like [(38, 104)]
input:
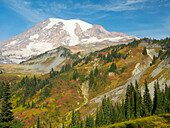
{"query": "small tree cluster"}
[(113, 68), (75, 74), (53, 73), (65, 68), (76, 119), (144, 51)]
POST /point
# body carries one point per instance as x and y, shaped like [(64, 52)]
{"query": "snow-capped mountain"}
[(51, 34)]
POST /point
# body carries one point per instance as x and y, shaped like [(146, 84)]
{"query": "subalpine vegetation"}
[(134, 106)]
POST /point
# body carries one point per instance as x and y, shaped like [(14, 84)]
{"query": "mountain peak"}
[(53, 33), (68, 24)]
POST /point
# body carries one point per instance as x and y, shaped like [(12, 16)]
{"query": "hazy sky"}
[(145, 18)]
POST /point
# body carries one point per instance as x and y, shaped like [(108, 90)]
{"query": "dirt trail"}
[(84, 89)]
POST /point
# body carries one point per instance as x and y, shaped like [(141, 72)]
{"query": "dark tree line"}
[(53, 73), (92, 76), (113, 68), (30, 87), (134, 106), (6, 114), (65, 68), (75, 74), (2, 84)]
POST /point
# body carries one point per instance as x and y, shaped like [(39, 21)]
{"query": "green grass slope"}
[(157, 121)]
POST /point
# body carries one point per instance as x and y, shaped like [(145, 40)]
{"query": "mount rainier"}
[(53, 33)]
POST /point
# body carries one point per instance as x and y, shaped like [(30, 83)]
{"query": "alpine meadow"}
[(68, 72)]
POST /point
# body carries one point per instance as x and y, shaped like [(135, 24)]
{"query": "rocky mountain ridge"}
[(53, 33)]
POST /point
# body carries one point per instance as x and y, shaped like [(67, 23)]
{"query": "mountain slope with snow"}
[(53, 33)]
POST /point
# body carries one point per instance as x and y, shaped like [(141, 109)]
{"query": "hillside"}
[(84, 80), (162, 121), (56, 58)]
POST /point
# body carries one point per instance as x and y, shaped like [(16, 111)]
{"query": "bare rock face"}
[(51, 34)]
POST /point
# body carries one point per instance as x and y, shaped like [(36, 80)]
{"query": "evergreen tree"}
[(89, 122), (77, 117), (119, 56), (75, 75), (137, 100), (50, 125), (100, 55), (132, 106), (28, 105), (91, 80), (52, 73), (128, 109), (136, 86), (109, 57), (96, 71), (38, 122), (113, 68), (127, 103), (73, 121), (167, 98), (147, 100), (137, 105), (6, 115), (123, 110), (23, 102), (160, 53), (2, 87), (46, 92), (32, 105), (81, 124), (1, 72), (144, 51), (63, 125), (97, 118), (157, 106), (154, 60)]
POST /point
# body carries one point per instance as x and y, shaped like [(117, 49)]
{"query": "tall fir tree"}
[(63, 125), (137, 100), (147, 100), (73, 121), (50, 125), (6, 115), (167, 98), (127, 103), (132, 106), (144, 51), (96, 71), (81, 124), (157, 99), (38, 122), (113, 68), (123, 111), (154, 60), (97, 118)]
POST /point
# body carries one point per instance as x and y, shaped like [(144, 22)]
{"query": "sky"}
[(145, 18)]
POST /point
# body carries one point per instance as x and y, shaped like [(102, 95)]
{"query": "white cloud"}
[(24, 8), (54, 9), (114, 5)]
